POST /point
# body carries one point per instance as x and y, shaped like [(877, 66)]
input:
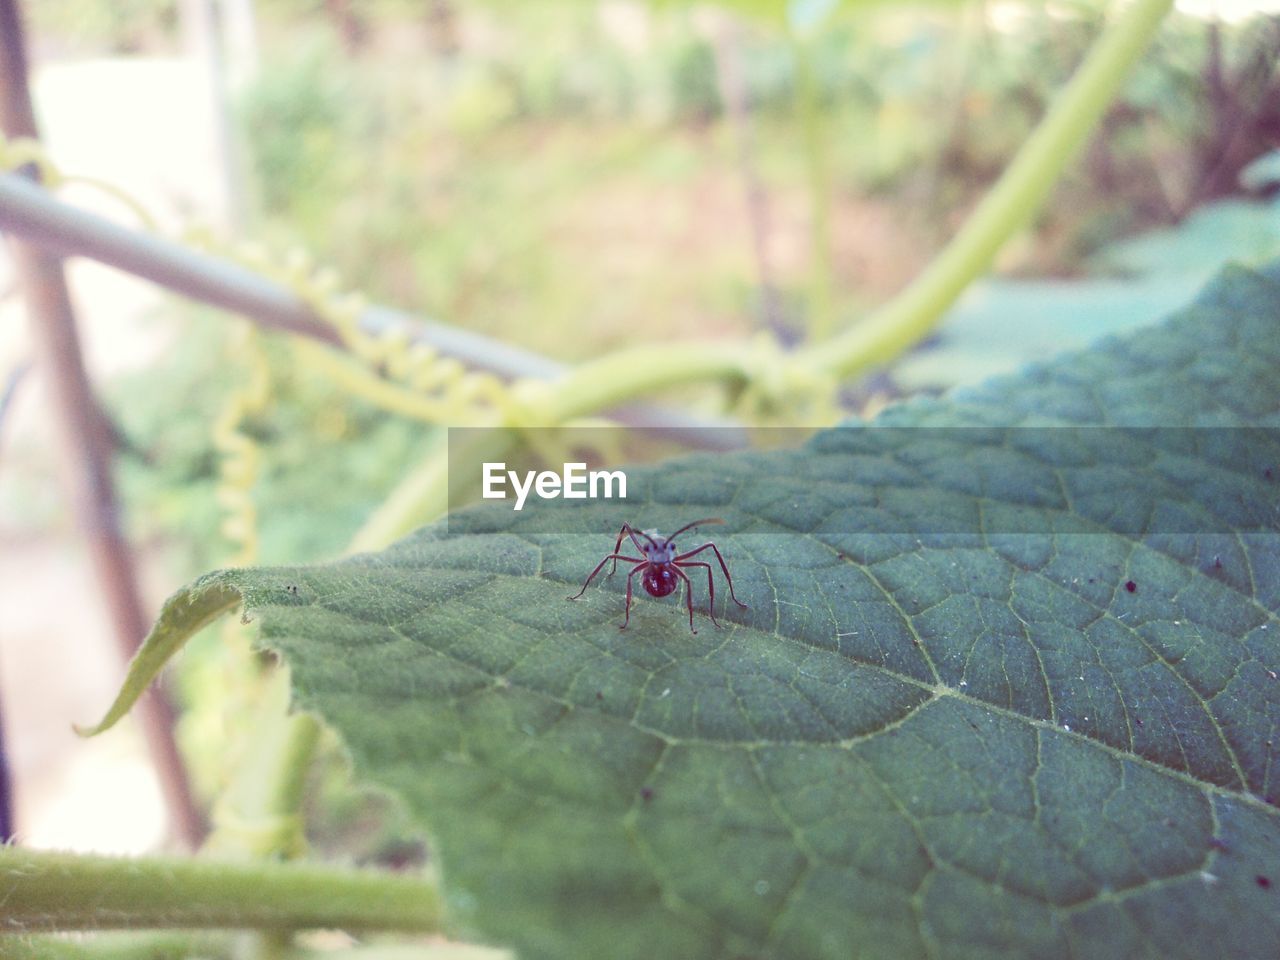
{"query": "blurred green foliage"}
[(327, 460), (301, 125), (473, 179), (123, 26), (695, 91)]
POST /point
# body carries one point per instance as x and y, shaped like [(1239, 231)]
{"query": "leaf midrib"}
[(936, 693)]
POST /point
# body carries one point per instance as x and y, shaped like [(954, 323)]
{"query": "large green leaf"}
[(911, 745)]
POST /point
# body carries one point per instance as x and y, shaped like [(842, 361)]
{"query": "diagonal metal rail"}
[(33, 214)]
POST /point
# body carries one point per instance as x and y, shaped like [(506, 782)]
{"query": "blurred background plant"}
[(581, 192), (573, 177)]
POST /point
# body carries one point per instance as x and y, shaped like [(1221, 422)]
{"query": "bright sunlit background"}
[(568, 177)]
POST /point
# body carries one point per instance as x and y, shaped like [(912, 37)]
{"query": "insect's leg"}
[(615, 557), (723, 566), (621, 533), (688, 593), (711, 586), (634, 570)]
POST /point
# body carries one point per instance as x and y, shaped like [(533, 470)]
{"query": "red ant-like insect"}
[(661, 566)]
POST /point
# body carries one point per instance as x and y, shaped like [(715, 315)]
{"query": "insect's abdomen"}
[(660, 580)]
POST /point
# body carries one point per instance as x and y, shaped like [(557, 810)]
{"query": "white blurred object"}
[(107, 802), (145, 126), (1228, 11)]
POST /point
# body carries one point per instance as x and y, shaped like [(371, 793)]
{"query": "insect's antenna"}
[(632, 531), (694, 524)]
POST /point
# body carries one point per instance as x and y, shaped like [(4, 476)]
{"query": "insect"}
[(662, 568)]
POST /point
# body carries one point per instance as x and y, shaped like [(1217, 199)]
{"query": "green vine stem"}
[(1021, 190), (122, 946), (426, 492), (210, 946), (42, 890), (639, 371), (259, 814), (644, 371), (821, 311), (1010, 205)]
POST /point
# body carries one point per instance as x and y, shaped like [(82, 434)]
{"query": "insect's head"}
[(659, 549)]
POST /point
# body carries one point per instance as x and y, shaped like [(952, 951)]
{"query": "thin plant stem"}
[(734, 93), (821, 306), (147, 945), (45, 891), (1009, 206), (1012, 202), (259, 814)]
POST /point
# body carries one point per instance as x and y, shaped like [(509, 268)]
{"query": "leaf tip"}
[(85, 732), (117, 710)]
